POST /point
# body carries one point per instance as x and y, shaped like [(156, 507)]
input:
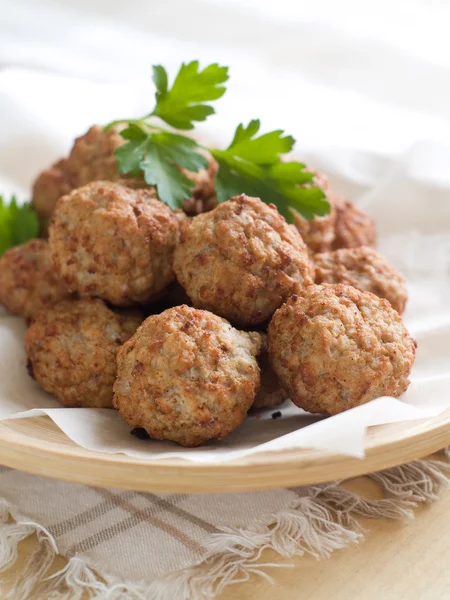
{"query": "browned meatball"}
[(28, 281), (204, 197), (72, 350), (334, 348), (364, 269), (353, 227), (92, 159), (318, 233), (270, 393), (187, 376), (113, 242), (320, 179), (51, 184), (241, 260)]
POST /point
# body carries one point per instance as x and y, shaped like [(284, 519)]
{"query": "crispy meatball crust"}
[(28, 281), (113, 242), (204, 197), (187, 376), (51, 184), (91, 159), (353, 227), (241, 260), (364, 269), (334, 348), (72, 350), (318, 233)]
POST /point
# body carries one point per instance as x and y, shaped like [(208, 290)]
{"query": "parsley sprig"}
[(18, 224), (252, 163), (185, 102)]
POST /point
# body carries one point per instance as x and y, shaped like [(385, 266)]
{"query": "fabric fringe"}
[(321, 519)]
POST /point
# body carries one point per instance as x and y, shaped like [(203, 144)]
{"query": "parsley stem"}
[(117, 122)]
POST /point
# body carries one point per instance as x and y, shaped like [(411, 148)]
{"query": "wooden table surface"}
[(398, 560)]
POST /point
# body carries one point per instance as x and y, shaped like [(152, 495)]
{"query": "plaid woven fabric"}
[(135, 535)]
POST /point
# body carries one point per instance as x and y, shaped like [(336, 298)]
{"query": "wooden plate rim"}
[(386, 446)]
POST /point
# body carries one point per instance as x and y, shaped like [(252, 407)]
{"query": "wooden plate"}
[(37, 446)]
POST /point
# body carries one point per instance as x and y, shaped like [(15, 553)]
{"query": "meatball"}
[(187, 376), (241, 261), (364, 269), (72, 350), (114, 242), (334, 347), (320, 179), (318, 233), (353, 227), (28, 281), (204, 197), (92, 159), (270, 393), (51, 184)]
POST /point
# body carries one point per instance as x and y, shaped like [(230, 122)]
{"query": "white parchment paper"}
[(409, 197)]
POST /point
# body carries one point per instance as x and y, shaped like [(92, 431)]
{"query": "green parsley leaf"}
[(160, 79), (18, 224), (261, 150), (184, 103), (165, 151), (252, 165), (293, 172), (159, 155), (129, 156)]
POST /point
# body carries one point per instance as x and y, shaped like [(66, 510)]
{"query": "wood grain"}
[(37, 446)]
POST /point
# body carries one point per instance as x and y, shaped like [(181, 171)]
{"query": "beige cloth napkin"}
[(137, 546)]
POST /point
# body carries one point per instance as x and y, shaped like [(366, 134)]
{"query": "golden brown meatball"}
[(241, 260), (113, 242), (318, 233), (353, 227), (270, 393), (334, 348), (187, 376), (320, 179), (364, 269), (51, 184), (204, 197), (92, 159), (72, 350), (28, 281)]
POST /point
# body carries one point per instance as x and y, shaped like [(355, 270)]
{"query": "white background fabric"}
[(364, 88)]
